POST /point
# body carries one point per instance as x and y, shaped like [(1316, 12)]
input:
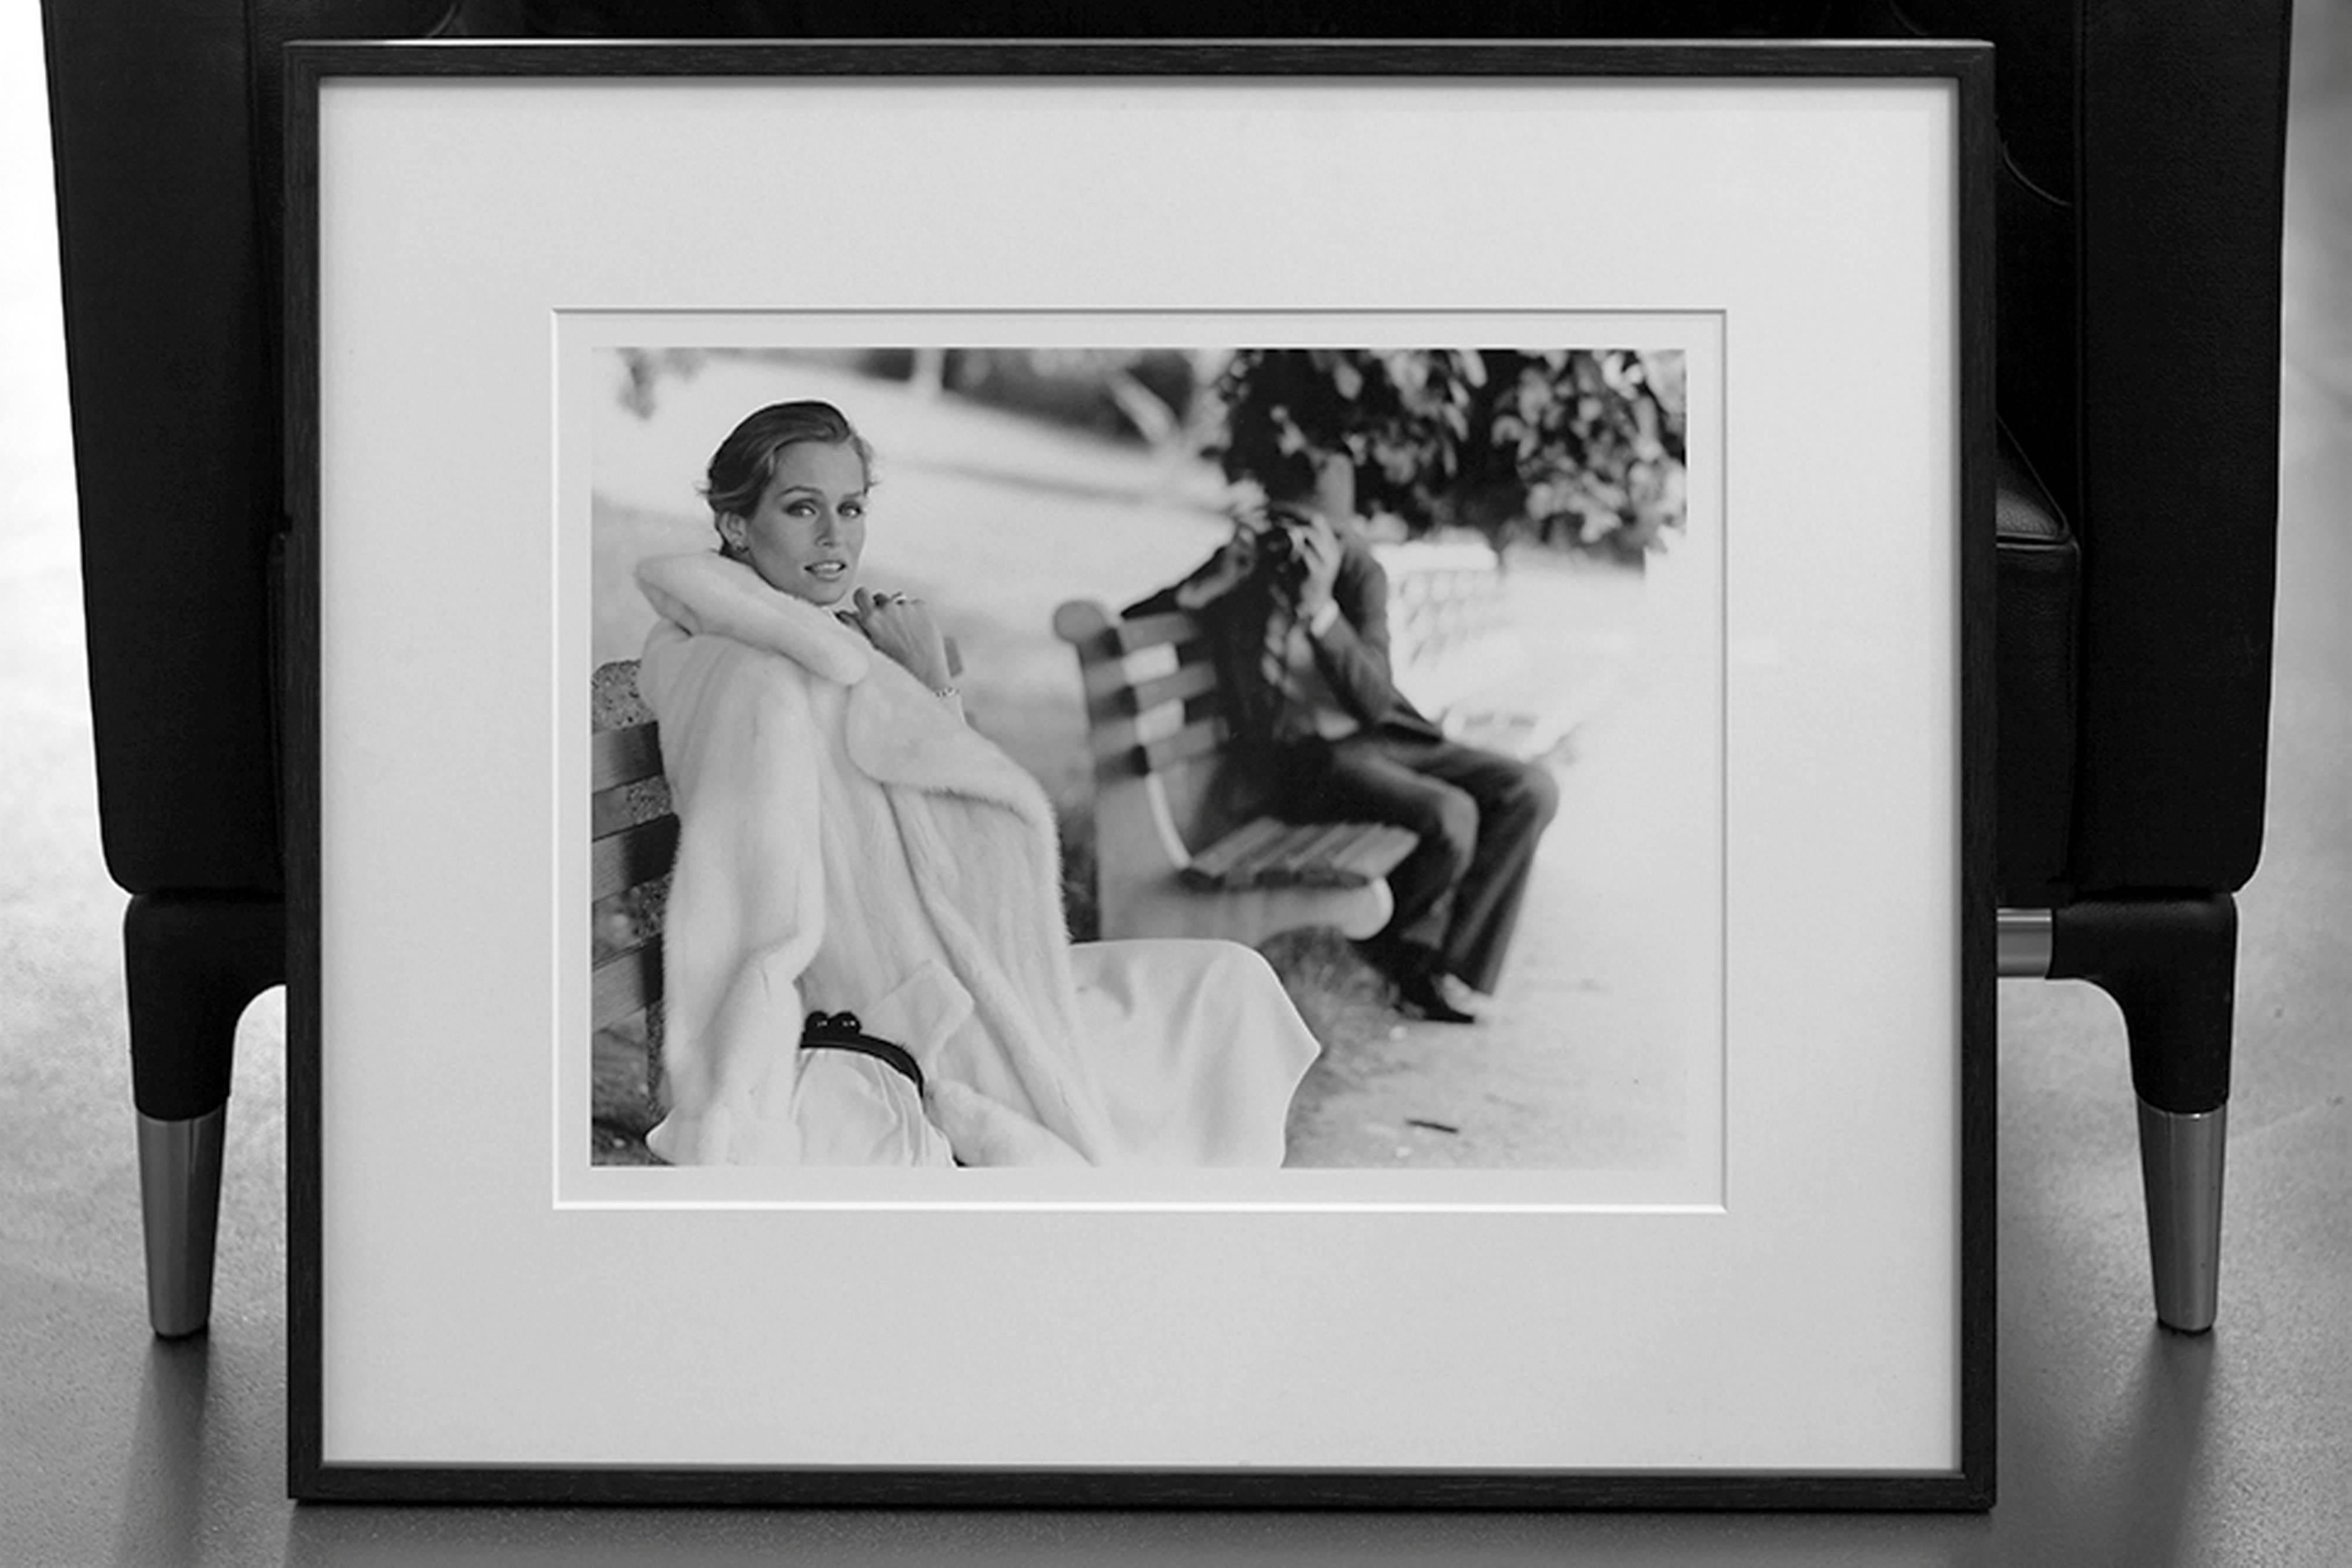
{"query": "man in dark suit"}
[(1296, 608)]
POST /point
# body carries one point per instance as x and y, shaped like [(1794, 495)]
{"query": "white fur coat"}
[(847, 842)]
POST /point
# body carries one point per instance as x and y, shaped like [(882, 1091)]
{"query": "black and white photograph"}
[(1074, 756), (1047, 735)]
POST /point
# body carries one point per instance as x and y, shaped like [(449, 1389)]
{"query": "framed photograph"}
[(1141, 774)]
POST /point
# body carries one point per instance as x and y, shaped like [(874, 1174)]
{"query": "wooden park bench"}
[(634, 837), (1165, 862)]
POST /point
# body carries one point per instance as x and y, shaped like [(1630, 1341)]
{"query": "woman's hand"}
[(901, 628)]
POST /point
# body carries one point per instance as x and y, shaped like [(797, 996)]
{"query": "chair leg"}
[(192, 962), (2171, 966)]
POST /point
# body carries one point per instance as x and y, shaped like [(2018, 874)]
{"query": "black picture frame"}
[(314, 1476)]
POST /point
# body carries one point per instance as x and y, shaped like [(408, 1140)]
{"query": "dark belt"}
[(842, 1031)]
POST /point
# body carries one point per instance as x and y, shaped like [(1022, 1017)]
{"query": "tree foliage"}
[(1574, 447)]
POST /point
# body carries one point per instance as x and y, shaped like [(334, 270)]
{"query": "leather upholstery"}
[(173, 420), (167, 205), (2138, 282), (2038, 573), (2182, 158), (2138, 279)]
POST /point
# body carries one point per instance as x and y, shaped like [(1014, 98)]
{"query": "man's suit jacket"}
[(1353, 653)]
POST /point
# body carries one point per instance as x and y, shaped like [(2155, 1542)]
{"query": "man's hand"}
[(1320, 553)]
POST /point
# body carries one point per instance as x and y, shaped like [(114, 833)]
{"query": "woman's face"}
[(808, 528)]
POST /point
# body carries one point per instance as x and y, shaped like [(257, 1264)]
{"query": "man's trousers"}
[(1479, 815)]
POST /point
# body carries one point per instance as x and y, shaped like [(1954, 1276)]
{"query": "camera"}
[(1282, 551)]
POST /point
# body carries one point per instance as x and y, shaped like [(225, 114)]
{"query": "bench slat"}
[(621, 861), (1272, 863), (1314, 859), (1269, 852), (1336, 843), (1278, 862), (1154, 631), (624, 756), (625, 985), (1309, 862), (1208, 867), (1241, 867), (1351, 854), (1188, 681), (1118, 753), (610, 810)]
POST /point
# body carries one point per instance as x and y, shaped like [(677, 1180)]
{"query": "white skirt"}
[(1195, 1047)]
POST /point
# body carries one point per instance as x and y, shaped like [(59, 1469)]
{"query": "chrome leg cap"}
[(179, 1194), (2180, 1162)]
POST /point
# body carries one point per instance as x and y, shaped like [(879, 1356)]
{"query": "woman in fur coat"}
[(848, 844)]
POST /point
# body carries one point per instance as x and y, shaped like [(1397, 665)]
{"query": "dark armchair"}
[(2138, 282), (2141, 200)]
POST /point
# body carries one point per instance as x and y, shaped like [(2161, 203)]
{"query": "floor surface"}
[(2119, 1443)]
